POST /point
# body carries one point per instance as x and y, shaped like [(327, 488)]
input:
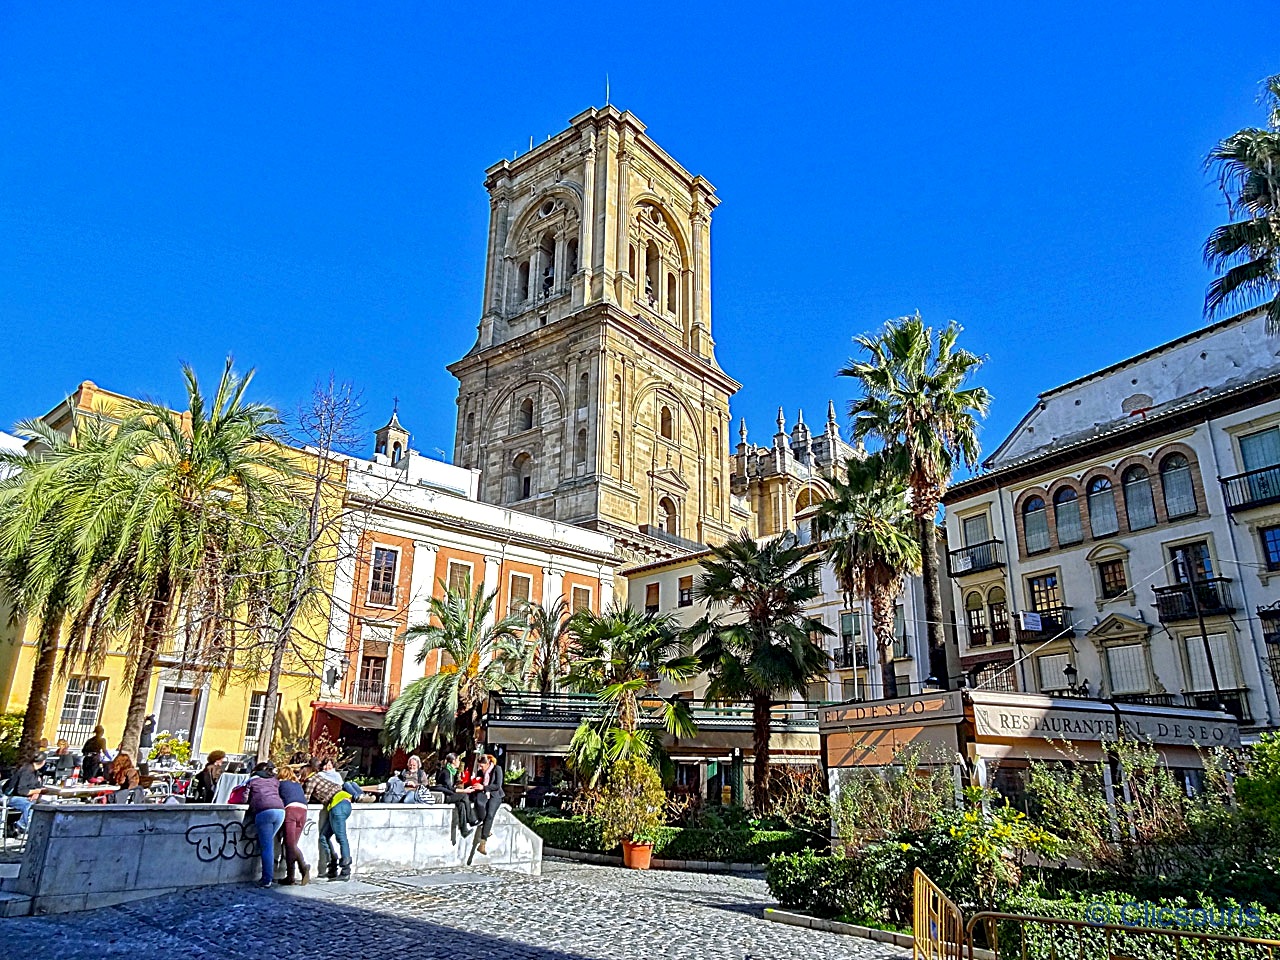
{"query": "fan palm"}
[(549, 651), (1247, 250), (916, 404), (622, 656), (761, 646), (482, 655), (872, 545), (162, 528)]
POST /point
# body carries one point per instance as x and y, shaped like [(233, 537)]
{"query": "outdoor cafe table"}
[(81, 791)]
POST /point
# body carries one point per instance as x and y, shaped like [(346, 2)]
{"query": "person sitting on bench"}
[(456, 794)]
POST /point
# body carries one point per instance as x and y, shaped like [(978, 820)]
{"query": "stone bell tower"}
[(592, 394)]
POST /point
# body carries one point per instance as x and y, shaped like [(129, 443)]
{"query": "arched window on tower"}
[(571, 257), (631, 262), (522, 477), (469, 433), (715, 442), (715, 496), (584, 388), (667, 518), (665, 424), (671, 293), (396, 451), (525, 420), (617, 449), (652, 273), (522, 282), (580, 447), (547, 264)]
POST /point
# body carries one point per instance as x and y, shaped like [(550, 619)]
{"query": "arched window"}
[(665, 425), (998, 615), (715, 442), (631, 262), (525, 419), (667, 518), (976, 617), (470, 433), (580, 447), (1138, 501), (1102, 508), (522, 293), (617, 391), (571, 257), (715, 496), (522, 477), (547, 264), (396, 450), (1066, 517), (617, 449), (1035, 525), (1179, 492), (652, 273), (584, 387), (671, 293)]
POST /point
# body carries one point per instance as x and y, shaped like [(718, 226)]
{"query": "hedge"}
[(582, 834)]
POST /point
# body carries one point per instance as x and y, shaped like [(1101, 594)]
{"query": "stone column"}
[(586, 234), (621, 220)]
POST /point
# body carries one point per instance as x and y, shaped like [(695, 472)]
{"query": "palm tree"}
[(622, 656), (162, 528), (1247, 250), (870, 527), (762, 646), (484, 655), (549, 651), (916, 405)]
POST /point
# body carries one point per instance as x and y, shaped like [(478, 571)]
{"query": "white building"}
[(1136, 511)]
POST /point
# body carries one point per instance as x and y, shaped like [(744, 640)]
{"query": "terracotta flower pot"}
[(636, 856)]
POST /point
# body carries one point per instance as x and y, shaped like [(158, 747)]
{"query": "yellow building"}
[(198, 707)]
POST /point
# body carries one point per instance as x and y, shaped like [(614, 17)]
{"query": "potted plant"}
[(630, 810)]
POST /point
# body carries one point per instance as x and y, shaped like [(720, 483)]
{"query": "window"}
[(715, 496), (81, 709), (525, 419), (998, 609), (617, 449), (1111, 579), (975, 530), (1066, 516), (396, 451), (667, 518), (1044, 592), (685, 595), (652, 597), (522, 284), (1260, 450), (459, 576), (976, 617), (671, 293), (1127, 668), (253, 723), (652, 273), (715, 442), (580, 447), (1179, 492), (571, 257), (1035, 525), (665, 425), (631, 262), (1270, 537), (850, 627), (382, 577), (522, 477), (1138, 501), (547, 261), (1191, 561), (584, 388), (993, 676), (851, 689), (581, 599), (1102, 508), (470, 432), (1224, 665), (1051, 669), (816, 692), (519, 594)]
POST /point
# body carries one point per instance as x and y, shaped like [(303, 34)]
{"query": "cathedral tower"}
[(592, 394)]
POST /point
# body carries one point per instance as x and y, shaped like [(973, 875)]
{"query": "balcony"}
[(849, 658), (1148, 699), (1177, 602), (369, 693), (1055, 623), (382, 598), (515, 708), (976, 558), (1235, 702), (1254, 488)]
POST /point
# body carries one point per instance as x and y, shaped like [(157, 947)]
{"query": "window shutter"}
[(1051, 667), (1223, 663), (1128, 668)]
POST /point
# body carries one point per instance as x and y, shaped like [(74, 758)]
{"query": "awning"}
[(356, 716)]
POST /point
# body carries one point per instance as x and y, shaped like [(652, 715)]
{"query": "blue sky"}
[(301, 184)]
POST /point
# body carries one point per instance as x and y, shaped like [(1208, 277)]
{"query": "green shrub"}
[(10, 737), (632, 802), (1258, 788), (822, 884)]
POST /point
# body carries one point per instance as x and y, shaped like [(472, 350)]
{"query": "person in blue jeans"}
[(23, 789), (267, 810), (335, 807)]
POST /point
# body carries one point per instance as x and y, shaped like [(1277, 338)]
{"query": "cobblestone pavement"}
[(572, 912)]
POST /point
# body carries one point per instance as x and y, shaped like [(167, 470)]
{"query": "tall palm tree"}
[(1247, 250), (916, 404), (550, 626), (163, 526), (623, 656), (872, 545), (483, 655), (760, 645)]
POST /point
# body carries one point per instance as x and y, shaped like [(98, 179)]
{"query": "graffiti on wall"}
[(223, 841)]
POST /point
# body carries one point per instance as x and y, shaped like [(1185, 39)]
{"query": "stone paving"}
[(572, 912)]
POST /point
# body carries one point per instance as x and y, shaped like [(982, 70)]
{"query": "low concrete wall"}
[(83, 857)]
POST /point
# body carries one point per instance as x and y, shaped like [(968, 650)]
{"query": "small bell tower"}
[(392, 440)]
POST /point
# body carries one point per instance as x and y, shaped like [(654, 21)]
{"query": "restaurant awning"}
[(356, 716)]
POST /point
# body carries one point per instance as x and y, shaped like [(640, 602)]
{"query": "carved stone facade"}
[(592, 394)]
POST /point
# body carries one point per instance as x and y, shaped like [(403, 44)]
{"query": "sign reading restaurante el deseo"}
[(1012, 720)]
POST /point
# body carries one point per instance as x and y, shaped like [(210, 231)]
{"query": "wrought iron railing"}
[(849, 658), (1234, 700), (1253, 488), (515, 708), (1055, 622), (382, 598), (1177, 602), (369, 693), (1149, 699), (976, 557)]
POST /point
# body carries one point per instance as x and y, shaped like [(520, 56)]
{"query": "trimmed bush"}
[(816, 883)]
